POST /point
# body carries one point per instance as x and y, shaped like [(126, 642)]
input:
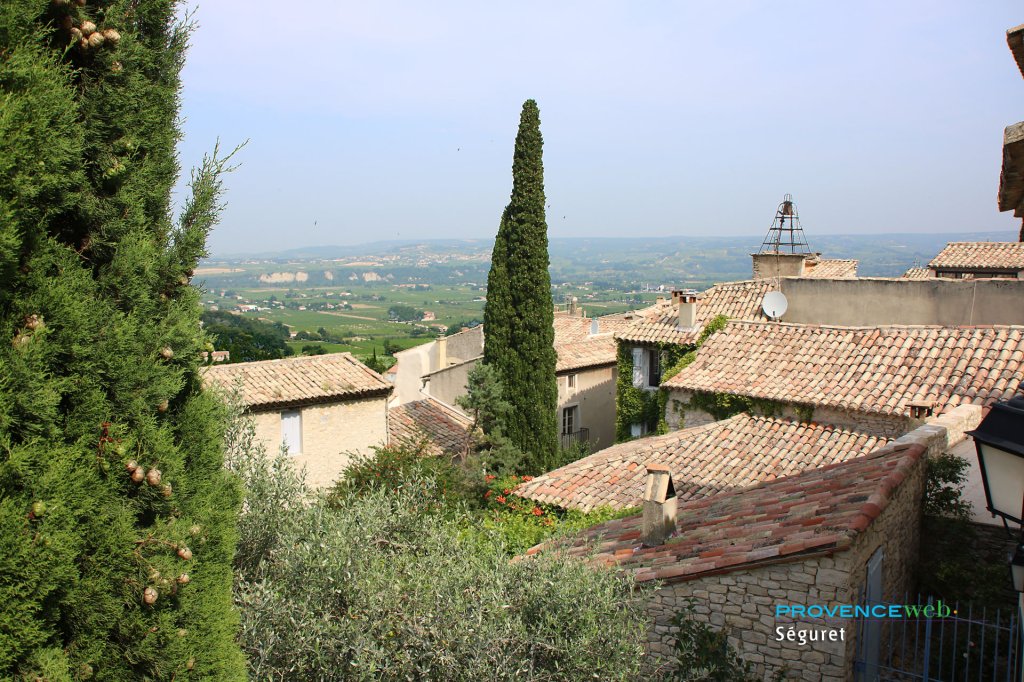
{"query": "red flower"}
[(508, 491), (501, 499), (537, 511), (527, 478), (489, 477), (487, 494)]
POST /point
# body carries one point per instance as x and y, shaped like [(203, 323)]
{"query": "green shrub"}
[(370, 588), (950, 566), (517, 523), (439, 483)]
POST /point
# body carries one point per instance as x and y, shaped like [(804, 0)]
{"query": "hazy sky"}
[(384, 120)]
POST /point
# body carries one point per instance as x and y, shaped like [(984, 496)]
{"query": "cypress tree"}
[(117, 518), (519, 314)]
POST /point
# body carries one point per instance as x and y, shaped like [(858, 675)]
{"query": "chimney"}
[(687, 302), (593, 327), (659, 506), (442, 352), (921, 409)]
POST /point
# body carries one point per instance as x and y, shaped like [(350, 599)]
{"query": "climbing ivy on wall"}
[(636, 405)]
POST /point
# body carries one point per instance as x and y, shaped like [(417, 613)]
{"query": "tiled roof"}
[(578, 348), (736, 452), (443, 429), (297, 381), (980, 255), (818, 510), (735, 300), (599, 350), (867, 369), (830, 268), (918, 273)]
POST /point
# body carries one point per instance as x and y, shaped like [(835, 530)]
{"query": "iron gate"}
[(968, 644)]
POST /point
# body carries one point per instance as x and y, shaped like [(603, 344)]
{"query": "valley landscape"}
[(438, 285)]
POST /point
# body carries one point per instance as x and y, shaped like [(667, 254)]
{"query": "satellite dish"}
[(774, 304)]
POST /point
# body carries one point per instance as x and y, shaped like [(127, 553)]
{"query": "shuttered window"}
[(291, 431), (639, 368)]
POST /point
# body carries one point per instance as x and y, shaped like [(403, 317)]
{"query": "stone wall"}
[(876, 301), (331, 434), (744, 600), (462, 346), (778, 265), (449, 383)]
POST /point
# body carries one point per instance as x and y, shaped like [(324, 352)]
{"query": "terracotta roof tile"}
[(577, 347), (876, 370), (813, 511), (737, 452), (980, 255), (443, 429), (830, 268), (736, 300), (918, 273), (298, 380)]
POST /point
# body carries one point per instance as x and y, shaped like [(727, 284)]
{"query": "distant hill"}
[(612, 261)]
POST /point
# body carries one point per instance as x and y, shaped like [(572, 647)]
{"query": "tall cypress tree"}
[(117, 519), (519, 314)]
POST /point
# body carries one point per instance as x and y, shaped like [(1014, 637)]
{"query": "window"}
[(638, 429), (571, 381), (570, 419), (654, 368), (646, 367), (291, 431)]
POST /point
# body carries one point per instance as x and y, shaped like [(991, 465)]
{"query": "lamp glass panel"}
[(1018, 576), (1005, 474)]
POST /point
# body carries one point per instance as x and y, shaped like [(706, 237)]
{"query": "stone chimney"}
[(659, 506), (687, 302)]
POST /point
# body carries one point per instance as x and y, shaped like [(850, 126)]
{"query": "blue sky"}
[(371, 121)]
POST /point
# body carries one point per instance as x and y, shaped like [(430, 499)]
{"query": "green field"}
[(362, 326)]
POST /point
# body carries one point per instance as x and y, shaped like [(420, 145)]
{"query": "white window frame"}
[(291, 425)]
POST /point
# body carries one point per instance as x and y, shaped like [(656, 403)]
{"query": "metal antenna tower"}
[(786, 237)]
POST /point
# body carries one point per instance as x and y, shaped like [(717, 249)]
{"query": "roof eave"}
[(1011, 178), (319, 400), (1015, 39)]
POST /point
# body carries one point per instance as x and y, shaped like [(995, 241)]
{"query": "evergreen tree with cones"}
[(117, 518), (519, 314)]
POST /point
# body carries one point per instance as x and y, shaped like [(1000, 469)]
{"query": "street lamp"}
[(999, 440)]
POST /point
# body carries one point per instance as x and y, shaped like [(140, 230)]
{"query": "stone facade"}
[(594, 398), (331, 434), (743, 601)]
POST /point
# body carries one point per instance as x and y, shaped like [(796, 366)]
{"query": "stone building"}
[(585, 372), (667, 329), (738, 452), (878, 380), (323, 408), (975, 260), (834, 535)]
